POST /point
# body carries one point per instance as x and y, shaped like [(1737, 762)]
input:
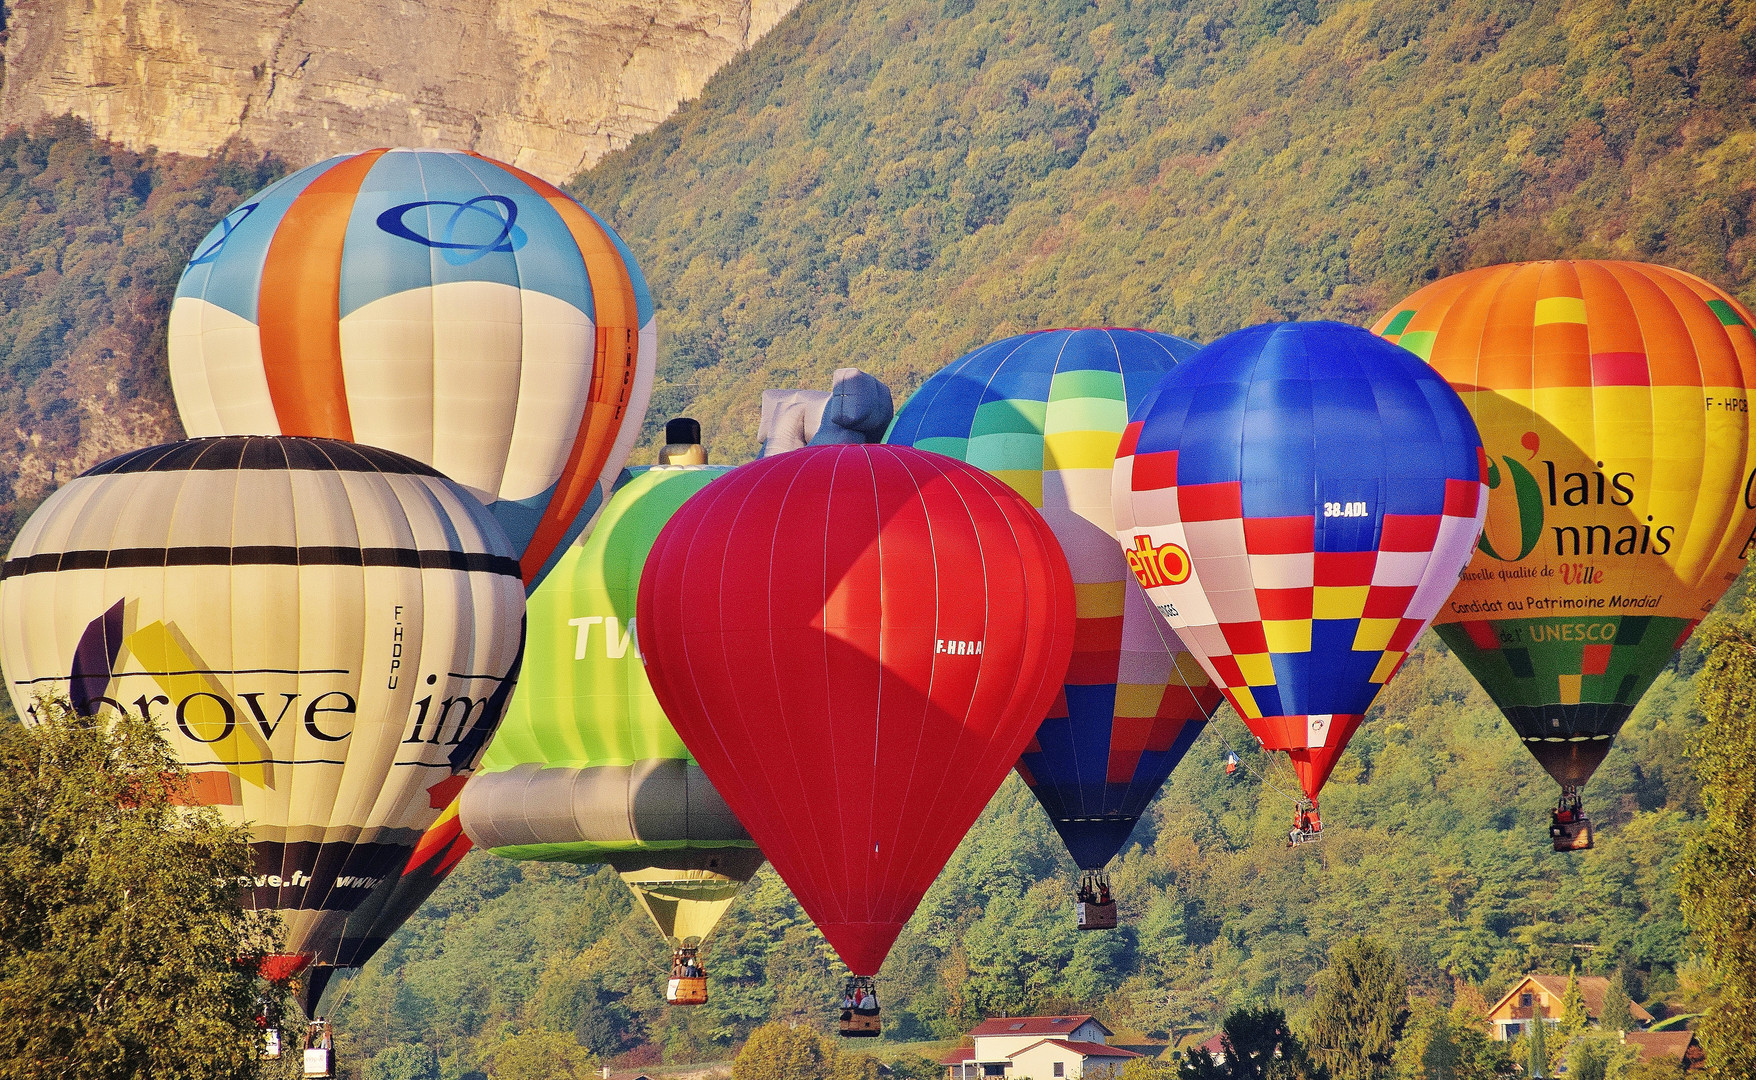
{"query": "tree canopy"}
[(795, 1052), (1719, 871), (124, 951), (1359, 1011)]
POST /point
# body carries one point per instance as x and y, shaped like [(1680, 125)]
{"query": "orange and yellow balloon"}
[(1613, 399)]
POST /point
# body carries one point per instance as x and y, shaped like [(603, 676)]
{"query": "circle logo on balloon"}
[(227, 225), (507, 238)]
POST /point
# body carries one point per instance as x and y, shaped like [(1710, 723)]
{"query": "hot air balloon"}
[(1298, 500), (1613, 401), (444, 844), (856, 642), (585, 768), (1044, 412), (326, 634), (445, 306)]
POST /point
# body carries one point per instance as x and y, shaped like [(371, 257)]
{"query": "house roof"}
[(959, 1056), (1215, 1044), (1083, 1049), (1036, 1025), (1593, 988), (1660, 1045)]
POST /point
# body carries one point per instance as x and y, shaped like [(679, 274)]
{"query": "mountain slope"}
[(550, 85), (889, 184), (92, 240)]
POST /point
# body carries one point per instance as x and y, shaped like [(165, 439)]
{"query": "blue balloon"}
[(1299, 500)]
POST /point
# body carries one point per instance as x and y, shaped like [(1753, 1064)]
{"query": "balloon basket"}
[(688, 982), (1307, 825), (1569, 827), (1093, 905), (686, 992), (319, 1050), (859, 1009), (1096, 916)]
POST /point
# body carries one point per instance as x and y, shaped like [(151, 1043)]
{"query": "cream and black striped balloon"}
[(327, 634)]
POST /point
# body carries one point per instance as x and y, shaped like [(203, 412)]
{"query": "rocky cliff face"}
[(549, 85)]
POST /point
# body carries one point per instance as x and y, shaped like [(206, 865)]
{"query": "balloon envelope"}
[(586, 768), (1298, 500), (856, 642), (326, 634), (442, 305), (1045, 412), (1613, 401)]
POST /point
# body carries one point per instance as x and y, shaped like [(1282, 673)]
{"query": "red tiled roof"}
[(959, 1056), (1215, 1044), (1083, 1049), (1035, 1025), (1660, 1045)]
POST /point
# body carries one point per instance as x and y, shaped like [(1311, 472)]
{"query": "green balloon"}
[(585, 767)]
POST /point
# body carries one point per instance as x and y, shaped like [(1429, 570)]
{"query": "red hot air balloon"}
[(856, 643)]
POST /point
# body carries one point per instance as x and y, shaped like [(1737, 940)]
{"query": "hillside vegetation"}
[(92, 240), (888, 183)]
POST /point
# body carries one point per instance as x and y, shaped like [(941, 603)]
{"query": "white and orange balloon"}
[(448, 307)]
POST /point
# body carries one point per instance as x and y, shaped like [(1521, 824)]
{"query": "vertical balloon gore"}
[(856, 642)]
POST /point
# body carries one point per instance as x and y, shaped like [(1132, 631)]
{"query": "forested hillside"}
[(888, 183), (92, 240)]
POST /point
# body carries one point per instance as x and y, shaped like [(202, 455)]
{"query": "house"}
[(1037, 1048), (1511, 1015), (1677, 1047), (1216, 1046)]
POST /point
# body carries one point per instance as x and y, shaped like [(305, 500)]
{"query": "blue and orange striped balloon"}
[(1299, 499), (1044, 412), (451, 308)]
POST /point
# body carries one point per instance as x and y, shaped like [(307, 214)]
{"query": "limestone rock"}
[(548, 85)]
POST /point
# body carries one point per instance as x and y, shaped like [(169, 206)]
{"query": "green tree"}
[(403, 1061), (1536, 1061), (540, 1055), (1598, 1055), (1359, 1011), (1151, 1068), (124, 949), (1720, 863), (1575, 1017), (1428, 1048), (1617, 1004), (1478, 1056), (1259, 1045), (917, 1067), (796, 1052)]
